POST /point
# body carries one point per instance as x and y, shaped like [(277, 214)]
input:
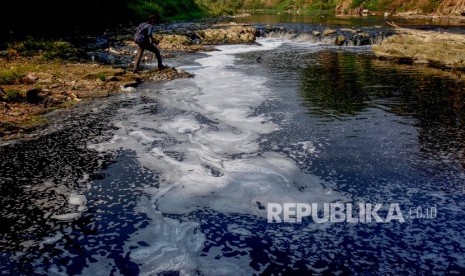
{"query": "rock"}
[(101, 57), (340, 40), (316, 33), (130, 84), (176, 39), (112, 78), (438, 49), (378, 39), (173, 42), (97, 43), (30, 78), (32, 96), (328, 32), (70, 96), (247, 38), (362, 39), (364, 35), (128, 89), (230, 35), (352, 31)]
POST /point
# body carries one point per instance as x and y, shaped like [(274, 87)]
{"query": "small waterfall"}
[(317, 35)]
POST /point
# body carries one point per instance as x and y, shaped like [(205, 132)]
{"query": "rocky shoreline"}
[(31, 86)]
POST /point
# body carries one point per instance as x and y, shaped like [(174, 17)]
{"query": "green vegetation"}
[(386, 5), (48, 50), (323, 5), (165, 9), (220, 7), (102, 77), (10, 76), (14, 95)]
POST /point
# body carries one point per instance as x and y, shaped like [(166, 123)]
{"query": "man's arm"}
[(151, 31)]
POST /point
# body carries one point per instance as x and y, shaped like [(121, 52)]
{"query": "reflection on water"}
[(348, 83), (335, 83), (340, 84), (326, 19), (455, 25)]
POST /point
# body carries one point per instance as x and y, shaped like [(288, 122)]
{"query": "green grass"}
[(10, 76), (102, 77), (167, 9), (47, 49), (14, 96), (14, 74)]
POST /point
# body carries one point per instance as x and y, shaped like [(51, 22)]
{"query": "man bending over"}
[(144, 40)]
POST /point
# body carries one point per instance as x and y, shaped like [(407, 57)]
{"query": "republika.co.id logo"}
[(346, 212)]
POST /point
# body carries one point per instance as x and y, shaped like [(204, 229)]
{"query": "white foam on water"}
[(67, 216), (204, 142), (52, 240), (79, 200)]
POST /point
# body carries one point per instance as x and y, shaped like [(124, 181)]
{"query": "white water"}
[(204, 143)]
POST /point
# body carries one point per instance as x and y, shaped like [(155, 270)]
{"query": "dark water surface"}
[(177, 176)]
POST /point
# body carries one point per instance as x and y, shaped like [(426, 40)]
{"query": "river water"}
[(176, 178)]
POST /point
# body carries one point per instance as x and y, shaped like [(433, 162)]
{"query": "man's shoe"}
[(162, 67)]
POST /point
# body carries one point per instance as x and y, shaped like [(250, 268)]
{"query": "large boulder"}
[(96, 43), (173, 42), (340, 40), (228, 35), (327, 32), (102, 57)]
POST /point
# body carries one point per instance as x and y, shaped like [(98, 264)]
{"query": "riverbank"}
[(33, 88), (436, 49), (35, 83)]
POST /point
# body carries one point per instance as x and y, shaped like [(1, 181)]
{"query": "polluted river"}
[(180, 177)]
